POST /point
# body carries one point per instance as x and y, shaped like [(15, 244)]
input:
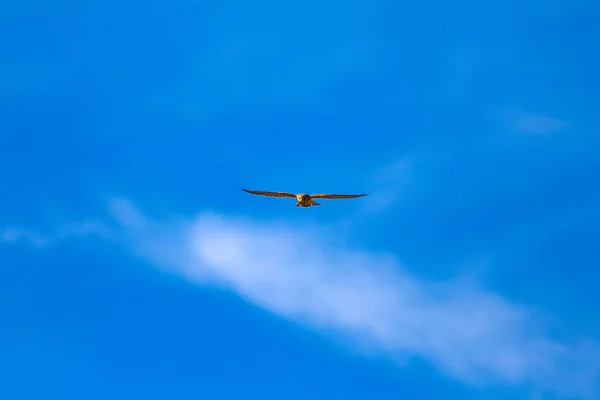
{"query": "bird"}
[(303, 199)]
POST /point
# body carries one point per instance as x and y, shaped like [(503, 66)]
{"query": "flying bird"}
[(303, 199)]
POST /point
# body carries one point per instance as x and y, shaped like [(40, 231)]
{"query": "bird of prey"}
[(303, 199)]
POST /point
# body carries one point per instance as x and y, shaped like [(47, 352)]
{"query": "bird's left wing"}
[(337, 196), (271, 194)]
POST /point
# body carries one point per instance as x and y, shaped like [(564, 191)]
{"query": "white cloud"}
[(367, 299)]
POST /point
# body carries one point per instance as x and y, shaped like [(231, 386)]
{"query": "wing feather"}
[(337, 196), (271, 194)]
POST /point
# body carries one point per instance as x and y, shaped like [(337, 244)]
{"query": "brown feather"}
[(271, 194), (336, 196)]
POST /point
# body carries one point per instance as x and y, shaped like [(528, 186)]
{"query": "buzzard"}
[(303, 199)]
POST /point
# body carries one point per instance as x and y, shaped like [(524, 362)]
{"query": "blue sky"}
[(132, 266)]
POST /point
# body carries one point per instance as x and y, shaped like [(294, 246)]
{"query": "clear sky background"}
[(131, 266)]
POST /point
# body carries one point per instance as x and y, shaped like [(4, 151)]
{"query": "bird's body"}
[(303, 199)]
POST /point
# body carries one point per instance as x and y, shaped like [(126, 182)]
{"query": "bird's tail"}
[(314, 203)]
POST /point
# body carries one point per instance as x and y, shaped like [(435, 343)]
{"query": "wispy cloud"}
[(537, 124), (390, 182), (368, 299), (43, 239)]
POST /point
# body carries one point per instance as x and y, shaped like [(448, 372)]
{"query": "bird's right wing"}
[(271, 194), (336, 196)]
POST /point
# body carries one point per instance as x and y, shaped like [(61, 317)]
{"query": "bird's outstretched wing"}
[(337, 196), (272, 194)]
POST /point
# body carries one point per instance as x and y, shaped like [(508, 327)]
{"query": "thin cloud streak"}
[(44, 239), (538, 124), (391, 182), (370, 300)]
